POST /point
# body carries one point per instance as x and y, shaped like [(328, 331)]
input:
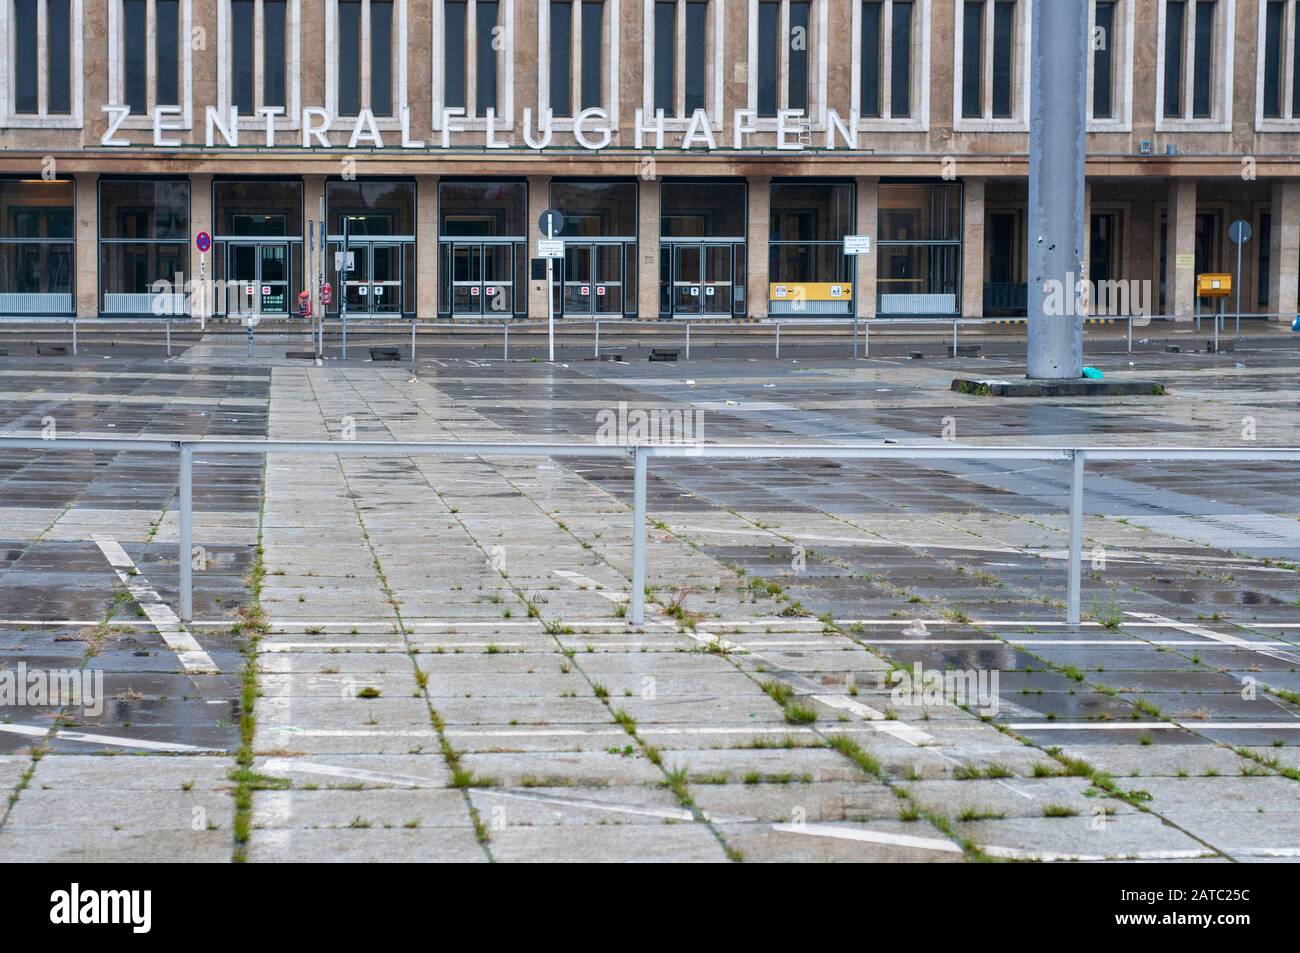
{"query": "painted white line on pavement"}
[(295, 766), (63, 734), (591, 585), (1152, 725), (1232, 640), (670, 814), (900, 730), (193, 659)]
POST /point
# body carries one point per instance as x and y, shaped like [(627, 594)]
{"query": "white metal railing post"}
[(168, 324), (954, 337), (505, 354), (866, 338), (688, 340), (185, 547), (1076, 537), (597, 355), (778, 340), (413, 359), (638, 536), (1130, 334), (74, 335)]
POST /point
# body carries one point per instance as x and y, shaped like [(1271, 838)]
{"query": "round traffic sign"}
[(203, 241), (1240, 231), (551, 222)]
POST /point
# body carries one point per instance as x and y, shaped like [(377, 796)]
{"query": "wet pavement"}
[(841, 661)]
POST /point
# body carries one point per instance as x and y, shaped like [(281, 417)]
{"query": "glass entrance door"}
[(482, 279), (703, 278), (498, 283), (385, 279), (687, 280), (718, 279), (357, 289), (593, 279), (241, 279), (273, 280)]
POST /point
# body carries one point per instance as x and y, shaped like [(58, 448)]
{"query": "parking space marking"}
[(1230, 640), (64, 734), (191, 655)]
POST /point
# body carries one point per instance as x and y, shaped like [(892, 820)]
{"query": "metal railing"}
[(641, 455)]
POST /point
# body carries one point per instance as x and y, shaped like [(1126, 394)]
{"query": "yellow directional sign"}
[(1213, 286)]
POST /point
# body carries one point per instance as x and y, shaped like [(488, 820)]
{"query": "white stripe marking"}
[(64, 734)]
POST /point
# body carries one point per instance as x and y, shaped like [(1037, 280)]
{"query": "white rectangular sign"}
[(550, 248), (338, 261), (857, 244)]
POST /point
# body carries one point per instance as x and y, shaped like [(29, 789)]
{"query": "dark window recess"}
[(59, 27), (26, 96), (1004, 29), (697, 29), (769, 56), (241, 56), (800, 38), (1102, 61), (972, 60), (593, 18), (1274, 17), (1175, 23), (381, 57), (485, 66), (273, 52), (869, 98), (167, 24), (665, 88), (1295, 71), (561, 58), (454, 38), (1203, 61), (349, 66), (900, 70), (135, 59), (1264, 259)]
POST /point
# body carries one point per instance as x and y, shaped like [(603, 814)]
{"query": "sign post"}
[(550, 222), (1240, 232), (203, 242)]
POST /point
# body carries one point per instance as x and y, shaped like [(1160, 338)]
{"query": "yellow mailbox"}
[(1213, 286)]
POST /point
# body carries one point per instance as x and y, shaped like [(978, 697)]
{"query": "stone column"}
[(201, 221), (647, 279), (539, 200), (426, 247), (868, 216), (87, 232), (972, 248), (760, 224), (1180, 249), (313, 195), (1284, 251)]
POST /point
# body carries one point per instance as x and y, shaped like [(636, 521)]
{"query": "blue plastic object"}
[(1093, 373), (1295, 325)]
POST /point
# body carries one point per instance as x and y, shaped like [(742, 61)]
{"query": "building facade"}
[(709, 156)]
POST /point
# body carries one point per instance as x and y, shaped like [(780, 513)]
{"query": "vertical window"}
[(665, 63), (381, 57), (1103, 77), (455, 36), (485, 95), (1279, 60), (241, 56), (349, 61), (872, 60), (972, 60), (1004, 26), (1295, 61), (135, 59), (1175, 16), (36, 246), (26, 97), (800, 34), (900, 71), (561, 97), (1263, 258), (593, 41), (58, 18), (769, 55), (697, 34), (274, 50), (167, 27), (1203, 60), (993, 33)]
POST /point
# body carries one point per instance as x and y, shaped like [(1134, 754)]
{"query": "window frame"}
[(1289, 121), (401, 24), (290, 118), (1121, 119), (679, 120), (42, 118), (185, 64), (1221, 88), (1018, 121), (815, 119), (919, 121), (609, 82), (505, 116)]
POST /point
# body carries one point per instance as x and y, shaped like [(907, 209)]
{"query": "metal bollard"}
[(1075, 569), (638, 536)]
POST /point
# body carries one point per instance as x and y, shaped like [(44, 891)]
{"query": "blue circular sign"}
[(203, 241)]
